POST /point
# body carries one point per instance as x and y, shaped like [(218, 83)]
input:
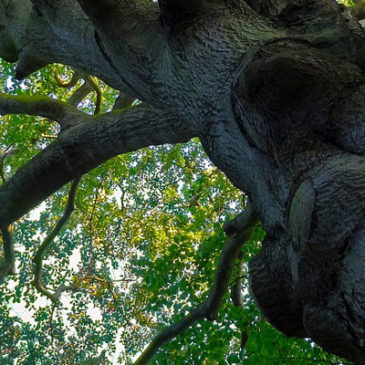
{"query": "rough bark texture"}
[(275, 89)]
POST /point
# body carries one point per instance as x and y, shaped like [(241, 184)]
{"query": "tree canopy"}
[(138, 245)]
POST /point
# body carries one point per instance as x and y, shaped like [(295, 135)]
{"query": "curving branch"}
[(9, 151), (209, 308), (63, 113), (90, 84), (8, 265), (85, 146), (44, 247), (236, 292), (68, 84)]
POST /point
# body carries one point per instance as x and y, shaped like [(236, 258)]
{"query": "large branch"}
[(209, 309), (83, 147), (63, 113)]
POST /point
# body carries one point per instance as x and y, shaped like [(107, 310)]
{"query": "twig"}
[(209, 308), (7, 267), (38, 259), (78, 95)]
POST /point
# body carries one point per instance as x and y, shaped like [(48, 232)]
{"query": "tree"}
[(275, 93)]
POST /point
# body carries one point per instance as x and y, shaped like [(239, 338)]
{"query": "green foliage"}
[(141, 249)]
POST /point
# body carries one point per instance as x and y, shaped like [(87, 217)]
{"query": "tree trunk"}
[(275, 90)]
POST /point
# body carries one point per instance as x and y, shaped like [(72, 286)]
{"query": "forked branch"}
[(209, 309)]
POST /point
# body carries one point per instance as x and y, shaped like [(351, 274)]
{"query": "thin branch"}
[(236, 295), (8, 265), (2, 173), (209, 308), (91, 218), (68, 84), (9, 151), (80, 94), (93, 82), (38, 259), (63, 113), (49, 136)]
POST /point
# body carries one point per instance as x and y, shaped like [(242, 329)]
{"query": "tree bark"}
[(275, 90)]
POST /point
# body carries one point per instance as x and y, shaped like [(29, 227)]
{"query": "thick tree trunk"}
[(276, 94)]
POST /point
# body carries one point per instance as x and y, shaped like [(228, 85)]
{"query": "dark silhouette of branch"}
[(38, 259), (209, 309), (9, 151), (7, 267)]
